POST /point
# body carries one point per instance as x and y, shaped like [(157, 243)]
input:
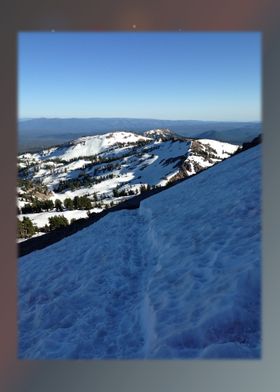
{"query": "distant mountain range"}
[(35, 134)]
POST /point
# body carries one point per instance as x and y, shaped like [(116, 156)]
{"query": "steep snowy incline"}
[(204, 291), (178, 278)]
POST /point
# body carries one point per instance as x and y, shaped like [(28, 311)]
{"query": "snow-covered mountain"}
[(93, 145), (177, 278), (112, 167)]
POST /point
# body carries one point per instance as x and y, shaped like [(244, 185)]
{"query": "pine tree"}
[(26, 229), (68, 204), (48, 205), (142, 188), (58, 221), (58, 205), (85, 203), (76, 202), (115, 193)]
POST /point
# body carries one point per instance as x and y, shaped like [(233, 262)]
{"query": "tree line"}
[(78, 203), (27, 229), (83, 181)]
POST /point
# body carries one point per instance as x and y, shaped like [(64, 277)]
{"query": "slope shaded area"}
[(177, 278)]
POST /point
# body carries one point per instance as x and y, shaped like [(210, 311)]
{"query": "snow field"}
[(177, 278)]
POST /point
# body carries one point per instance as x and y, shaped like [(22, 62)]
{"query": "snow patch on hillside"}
[(223, 150), (209, 153)]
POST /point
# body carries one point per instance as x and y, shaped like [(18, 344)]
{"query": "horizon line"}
[(128, 118)]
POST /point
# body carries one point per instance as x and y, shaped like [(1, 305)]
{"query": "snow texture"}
[(177, 278)]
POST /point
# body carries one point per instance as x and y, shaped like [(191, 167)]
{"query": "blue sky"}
[(176, 75)]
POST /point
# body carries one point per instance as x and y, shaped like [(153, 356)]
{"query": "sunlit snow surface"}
[(89, 145), (177, 278)]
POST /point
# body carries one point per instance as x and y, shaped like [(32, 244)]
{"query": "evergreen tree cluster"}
[(130, 192), (55, 222), (25, 228), (74, 183), (124, 192), (107, 168), (82, 203), (83, 181), (78, 203), (58, 205), (61, 161), (144, 188), (37, 206), (68, 204)]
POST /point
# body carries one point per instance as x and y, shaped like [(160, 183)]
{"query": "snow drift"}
[(177, 278)]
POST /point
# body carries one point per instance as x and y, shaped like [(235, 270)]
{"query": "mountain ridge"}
[(108, 169)]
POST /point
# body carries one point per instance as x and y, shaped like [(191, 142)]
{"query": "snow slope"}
[(177, 278), (92, 145)]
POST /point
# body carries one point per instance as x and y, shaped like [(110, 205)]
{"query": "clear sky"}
[(176, 75)]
